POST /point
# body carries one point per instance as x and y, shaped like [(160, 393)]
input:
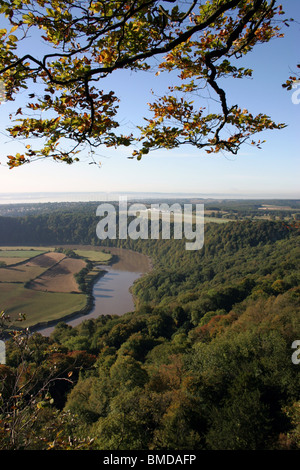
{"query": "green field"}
[(14, 255), (96, 256), (20, 253), (217, 220), (38, 306), (32, 250)]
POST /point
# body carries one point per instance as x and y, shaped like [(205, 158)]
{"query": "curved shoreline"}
[(90, 304), (72, 316)]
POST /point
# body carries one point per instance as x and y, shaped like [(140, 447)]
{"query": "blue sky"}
[(273, 171)]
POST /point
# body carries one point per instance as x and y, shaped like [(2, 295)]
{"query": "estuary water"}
[(111, 291)]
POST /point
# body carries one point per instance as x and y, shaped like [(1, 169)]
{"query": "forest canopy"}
[(203, 363), (82, 43)]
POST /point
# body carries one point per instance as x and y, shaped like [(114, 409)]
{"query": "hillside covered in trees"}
[(203, 363), (209, 357)]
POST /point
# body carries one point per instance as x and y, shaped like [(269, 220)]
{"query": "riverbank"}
[(43, 308), (110, 291), (39, 327)]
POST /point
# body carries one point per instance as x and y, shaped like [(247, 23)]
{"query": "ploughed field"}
[(41, 283), (60, 276)]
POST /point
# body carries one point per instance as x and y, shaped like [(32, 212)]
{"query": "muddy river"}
[(111, 291)]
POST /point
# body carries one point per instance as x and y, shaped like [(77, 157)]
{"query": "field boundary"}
[(41, 308), (79, 313), (24, 261), (32, 280)]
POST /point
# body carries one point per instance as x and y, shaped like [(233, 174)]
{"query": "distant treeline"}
[(53, 228), (234, 206), (67, 227)]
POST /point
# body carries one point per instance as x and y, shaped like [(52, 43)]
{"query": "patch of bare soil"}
[(46, 260), (60, 277)]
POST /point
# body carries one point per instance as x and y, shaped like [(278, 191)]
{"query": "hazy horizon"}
[(93, 196)]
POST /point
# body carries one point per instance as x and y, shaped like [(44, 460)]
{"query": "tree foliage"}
[(84, 42)]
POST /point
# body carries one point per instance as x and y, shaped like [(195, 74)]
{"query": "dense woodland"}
[(204, 362)]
